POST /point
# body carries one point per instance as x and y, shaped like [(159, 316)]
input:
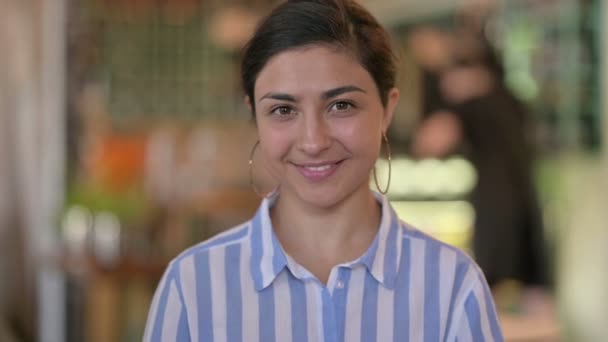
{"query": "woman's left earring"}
[(388, 158)]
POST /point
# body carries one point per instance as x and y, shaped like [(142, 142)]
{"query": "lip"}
[(318, 171)]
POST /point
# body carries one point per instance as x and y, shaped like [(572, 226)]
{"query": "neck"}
[(320, 238)]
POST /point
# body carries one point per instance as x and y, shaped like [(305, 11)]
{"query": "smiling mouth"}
[(318, 172), (319, 168)]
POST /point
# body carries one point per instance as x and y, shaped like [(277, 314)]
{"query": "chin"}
[(324, 197), (323, 201), (320, 197)]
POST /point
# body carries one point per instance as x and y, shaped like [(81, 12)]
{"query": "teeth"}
[(318, 168)]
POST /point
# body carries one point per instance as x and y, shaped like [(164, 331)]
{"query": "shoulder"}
[(219, 243), (177, 291), (434, 248), (451, 275), (448, 260), (234, 235)]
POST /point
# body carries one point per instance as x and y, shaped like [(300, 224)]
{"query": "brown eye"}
[(283, 111), (342, 106)]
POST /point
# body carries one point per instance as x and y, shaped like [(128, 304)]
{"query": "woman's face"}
[(320, 122)]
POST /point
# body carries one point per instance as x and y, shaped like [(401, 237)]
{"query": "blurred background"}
[(124, 139)]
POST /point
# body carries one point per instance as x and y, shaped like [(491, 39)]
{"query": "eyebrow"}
[(341, 90), (278, 96), (326, 94)]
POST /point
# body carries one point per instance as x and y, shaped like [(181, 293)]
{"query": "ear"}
[(389, 110), (254, 120), (248, 103)]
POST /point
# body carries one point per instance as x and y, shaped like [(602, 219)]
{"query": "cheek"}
[(275, 143), (361, 137)]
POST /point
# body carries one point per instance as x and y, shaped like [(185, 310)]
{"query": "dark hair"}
[(343, 24)]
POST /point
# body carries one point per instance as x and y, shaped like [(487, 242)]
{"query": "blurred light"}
[(461, 176), (76, 225), (401, 185), (448, 221), (427, 178), (231, 27), (428, 174), (106, 239), (524, 84), (160, 161)]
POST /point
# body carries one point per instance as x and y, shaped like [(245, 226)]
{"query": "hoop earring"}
[(251, 181), (388, 157)]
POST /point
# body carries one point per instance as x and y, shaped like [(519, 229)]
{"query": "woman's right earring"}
[(251, 181), (251, 178)]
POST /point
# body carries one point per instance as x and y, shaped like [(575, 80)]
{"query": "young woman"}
[(325, 258)]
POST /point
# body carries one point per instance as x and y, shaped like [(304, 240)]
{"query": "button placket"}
[(339, 299)]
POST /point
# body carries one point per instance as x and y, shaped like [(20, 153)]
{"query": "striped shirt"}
[(242, 286)]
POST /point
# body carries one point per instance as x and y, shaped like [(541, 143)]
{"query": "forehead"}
[(312, 68)]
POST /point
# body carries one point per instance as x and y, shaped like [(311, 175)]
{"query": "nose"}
[(314, 136)]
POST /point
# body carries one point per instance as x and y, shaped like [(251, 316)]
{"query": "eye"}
[(342, 106), (282, 111)]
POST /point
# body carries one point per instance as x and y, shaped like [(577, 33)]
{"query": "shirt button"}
[(340, 284)]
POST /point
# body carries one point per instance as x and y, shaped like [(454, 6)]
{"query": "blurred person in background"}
[(468, 107)]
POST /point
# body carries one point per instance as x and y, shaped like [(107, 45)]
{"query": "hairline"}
[(334, 46)]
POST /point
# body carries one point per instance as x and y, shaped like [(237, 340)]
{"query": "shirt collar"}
[(268, 258), (382, 257)]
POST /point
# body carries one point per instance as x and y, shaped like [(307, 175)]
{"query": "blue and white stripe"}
[(241, 286)]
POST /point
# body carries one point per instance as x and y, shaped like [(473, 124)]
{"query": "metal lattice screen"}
[(154, 66)]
